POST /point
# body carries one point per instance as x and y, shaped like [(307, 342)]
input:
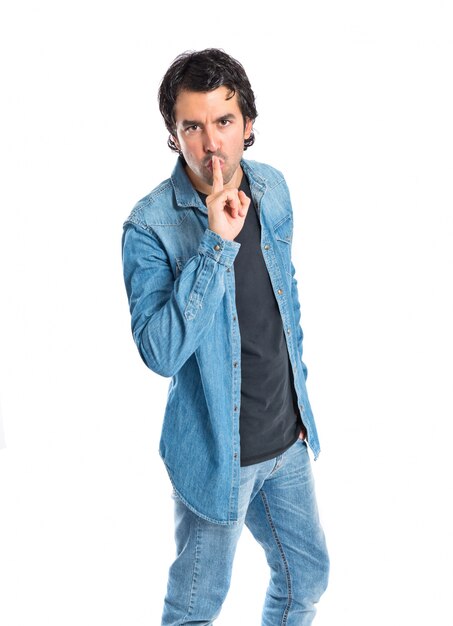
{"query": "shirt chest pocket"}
[(283, 233)]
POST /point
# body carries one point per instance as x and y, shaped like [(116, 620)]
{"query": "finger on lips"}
[(236, 201), (217, 178)]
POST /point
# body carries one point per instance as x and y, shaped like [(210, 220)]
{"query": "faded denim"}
[(277, 503), (179, 278)]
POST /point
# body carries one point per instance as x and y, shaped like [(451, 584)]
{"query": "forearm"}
[(171, 316)]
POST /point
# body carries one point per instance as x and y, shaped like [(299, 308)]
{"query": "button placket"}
[(235, 371)]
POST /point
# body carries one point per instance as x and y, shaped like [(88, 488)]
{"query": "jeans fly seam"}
[(282, 554)]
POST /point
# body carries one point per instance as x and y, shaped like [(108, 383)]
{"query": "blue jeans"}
[(277, 503)]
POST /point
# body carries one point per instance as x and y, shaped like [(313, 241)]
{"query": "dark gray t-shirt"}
[(269, 420)]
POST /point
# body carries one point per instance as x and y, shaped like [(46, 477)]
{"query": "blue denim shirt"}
[(179, 278)]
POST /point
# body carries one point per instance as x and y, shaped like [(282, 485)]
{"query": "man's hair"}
[(204, 71)]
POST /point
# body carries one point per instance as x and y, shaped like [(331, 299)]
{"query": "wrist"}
[(220, 249)]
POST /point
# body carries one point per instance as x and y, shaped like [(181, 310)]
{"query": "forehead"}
[(200, 104)]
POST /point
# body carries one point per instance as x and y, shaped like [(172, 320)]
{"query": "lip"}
[(209, 163)]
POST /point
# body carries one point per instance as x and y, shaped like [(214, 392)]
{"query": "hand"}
[(303, 433), (227, 208)]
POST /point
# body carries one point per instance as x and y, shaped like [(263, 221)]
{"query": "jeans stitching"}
[(283, 556), (195, 572)]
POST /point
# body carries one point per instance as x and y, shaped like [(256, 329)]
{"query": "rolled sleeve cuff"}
[(221, 250)]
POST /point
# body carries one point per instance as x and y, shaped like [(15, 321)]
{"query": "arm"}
[(170, 317)]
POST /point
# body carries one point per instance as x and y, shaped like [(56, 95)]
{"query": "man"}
[(214, 305)]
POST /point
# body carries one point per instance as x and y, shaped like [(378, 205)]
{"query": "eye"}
[(225, 122), (191, 129)]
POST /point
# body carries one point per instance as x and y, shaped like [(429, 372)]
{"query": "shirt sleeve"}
[(296, 311), (295, 303), (170, 316)]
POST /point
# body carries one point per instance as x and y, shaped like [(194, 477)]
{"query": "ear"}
[(175, 141), (248, 127)]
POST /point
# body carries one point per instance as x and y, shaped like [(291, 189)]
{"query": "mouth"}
[(208, 164)]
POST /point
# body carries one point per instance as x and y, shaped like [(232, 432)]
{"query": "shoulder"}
[(158, 208), (264, 173)]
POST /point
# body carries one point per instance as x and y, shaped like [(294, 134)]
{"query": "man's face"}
[(207, 124)]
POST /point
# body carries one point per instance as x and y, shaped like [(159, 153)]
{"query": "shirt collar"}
[(187, 196)]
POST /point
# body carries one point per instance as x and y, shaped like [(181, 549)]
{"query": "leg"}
[(283, 517), (199, 578)]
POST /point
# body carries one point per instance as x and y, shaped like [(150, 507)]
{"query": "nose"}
[(210, 140)]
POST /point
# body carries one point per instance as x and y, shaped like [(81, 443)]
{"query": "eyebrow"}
[(187, 123)]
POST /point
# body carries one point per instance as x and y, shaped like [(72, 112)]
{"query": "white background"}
[(355, 105)]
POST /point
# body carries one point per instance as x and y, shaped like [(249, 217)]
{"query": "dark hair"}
[(205, 71)]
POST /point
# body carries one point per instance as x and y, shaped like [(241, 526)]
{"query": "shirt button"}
[(267, 246), (280, 291), (288, 330), (235, 408), (234, 318), (235, 364), (217, 247)]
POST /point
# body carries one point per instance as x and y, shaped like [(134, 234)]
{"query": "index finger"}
[(217, 178)]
